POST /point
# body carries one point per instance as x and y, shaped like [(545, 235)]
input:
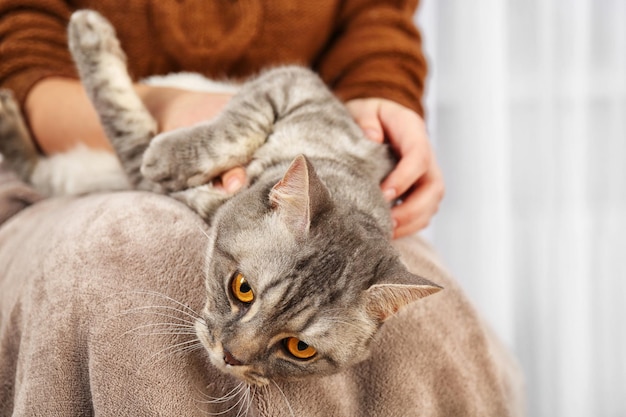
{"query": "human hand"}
[(416, 180), (175, 108)]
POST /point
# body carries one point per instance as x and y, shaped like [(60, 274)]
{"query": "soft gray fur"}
[(310, 233)]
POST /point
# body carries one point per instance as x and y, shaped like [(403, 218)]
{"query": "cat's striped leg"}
[(101, 64), (279, 99), (16, 144), (195, 155)]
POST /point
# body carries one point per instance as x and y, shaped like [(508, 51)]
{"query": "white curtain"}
[(527, 110)]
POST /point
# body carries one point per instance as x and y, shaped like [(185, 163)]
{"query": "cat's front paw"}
[(90, 35), (174, 161)]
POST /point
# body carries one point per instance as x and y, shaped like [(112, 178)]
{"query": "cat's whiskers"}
[(177, 325), (184, 308), (285, 397), (182, 321), (252, 394), (226, 397), (162, 329), (182, 347), (203, 232), (246, 399), (168, 308), (243, 391)]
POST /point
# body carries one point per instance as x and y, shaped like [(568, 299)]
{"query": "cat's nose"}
[(230, 359)]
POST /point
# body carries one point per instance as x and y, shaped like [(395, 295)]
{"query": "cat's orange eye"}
[(241, 290), (299, 349)]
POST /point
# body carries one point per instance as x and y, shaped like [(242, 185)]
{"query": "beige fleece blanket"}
[(86, 328)]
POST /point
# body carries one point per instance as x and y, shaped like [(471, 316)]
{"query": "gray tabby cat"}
[(300, 272)]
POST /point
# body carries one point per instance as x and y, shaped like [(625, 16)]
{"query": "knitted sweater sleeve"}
[(376, 52), (33, 43)]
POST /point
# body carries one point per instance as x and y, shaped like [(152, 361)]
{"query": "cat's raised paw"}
[(173, 161), (90, 34), (159, 165)]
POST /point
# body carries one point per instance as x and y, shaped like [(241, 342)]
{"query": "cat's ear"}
[(385, 300), (299, 195)]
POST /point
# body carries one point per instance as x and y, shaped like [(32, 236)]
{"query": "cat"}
[(300, 270)]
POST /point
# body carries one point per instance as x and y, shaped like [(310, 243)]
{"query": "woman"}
[(85, 326), (368, 52)]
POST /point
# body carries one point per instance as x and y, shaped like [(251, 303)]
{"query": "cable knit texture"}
[(361, 48)]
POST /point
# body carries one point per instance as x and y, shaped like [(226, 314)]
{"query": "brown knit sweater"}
[(361, 48)]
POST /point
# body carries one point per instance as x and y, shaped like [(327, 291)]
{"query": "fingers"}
[(408, 139), (419, 205), (416, 179), (365, 114), (233, 180), (412, 166)]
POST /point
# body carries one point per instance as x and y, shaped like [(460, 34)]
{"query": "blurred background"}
[(527, 110)]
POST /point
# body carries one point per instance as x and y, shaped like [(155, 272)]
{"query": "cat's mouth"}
[(226, 362)]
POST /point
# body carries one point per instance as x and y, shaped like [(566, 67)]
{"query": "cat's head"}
[(296, 285)]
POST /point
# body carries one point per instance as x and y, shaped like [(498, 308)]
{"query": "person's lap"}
[(81, 282), (86, 327)]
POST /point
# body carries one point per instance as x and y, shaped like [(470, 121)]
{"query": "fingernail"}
[(389, 194), (233, 184)]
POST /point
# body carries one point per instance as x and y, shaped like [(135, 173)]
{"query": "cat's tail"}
[(101, 64), (16, 145)]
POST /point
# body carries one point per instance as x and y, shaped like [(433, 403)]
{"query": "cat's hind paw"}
[(91, 35)]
